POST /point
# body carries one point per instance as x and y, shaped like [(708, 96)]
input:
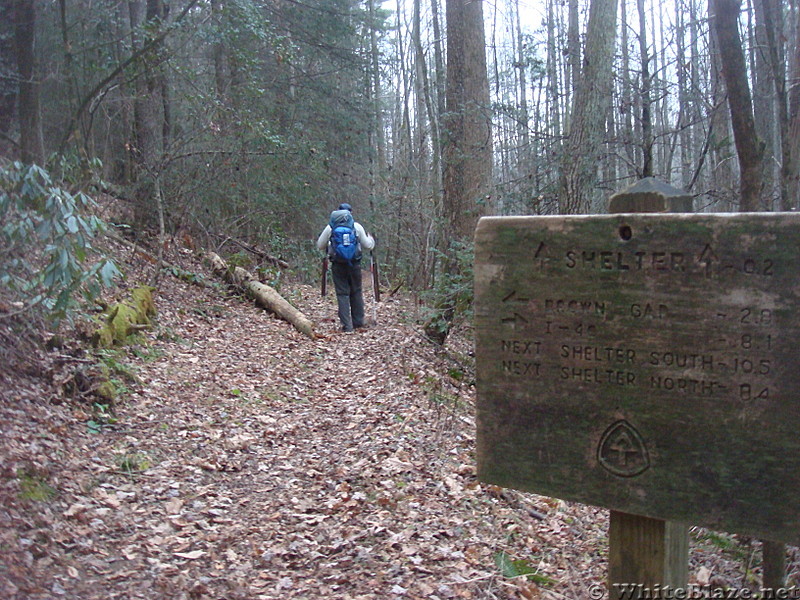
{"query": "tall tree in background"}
[(721, 178), (377, 136), (467, 123), (467, 142), (793, 101), (149, 114), (523, 131), (253, 112), (647, 119), (763, 86), (734, 72), (772, 15), (8, 78), (625, 94), (582, 149), (31, 142), (573, 64)]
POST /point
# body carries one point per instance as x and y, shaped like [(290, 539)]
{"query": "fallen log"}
[(264, 295)]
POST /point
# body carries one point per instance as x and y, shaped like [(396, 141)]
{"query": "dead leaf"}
[(193, 555)]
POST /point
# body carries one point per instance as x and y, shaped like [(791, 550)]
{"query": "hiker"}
[(343, 239)]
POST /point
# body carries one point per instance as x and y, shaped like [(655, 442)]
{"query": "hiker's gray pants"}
[(349, 297)]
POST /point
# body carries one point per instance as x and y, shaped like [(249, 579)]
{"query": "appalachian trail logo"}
[(622, 450)]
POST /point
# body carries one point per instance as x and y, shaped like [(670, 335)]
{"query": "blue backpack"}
[(343, 245)]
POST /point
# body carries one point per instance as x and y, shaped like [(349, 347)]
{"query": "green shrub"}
[(45, 240)]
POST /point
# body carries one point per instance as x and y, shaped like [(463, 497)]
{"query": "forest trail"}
[(247, 461)]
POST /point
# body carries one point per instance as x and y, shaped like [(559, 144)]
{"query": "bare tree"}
[(31, 142), (584, 142), (553, 79), (764, 97), (647, 119), (793, 168), (725, 21), (8, 78), (772, 13)]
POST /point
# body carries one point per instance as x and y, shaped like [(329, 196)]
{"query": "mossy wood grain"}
[(645, 363)]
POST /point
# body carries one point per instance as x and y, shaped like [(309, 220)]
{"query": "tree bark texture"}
[(553, 75), (773, 26), (793, 176), (148, 108), (582, 150), (764, 88), (266, 296), (28, 109), (748, 148), (8, 87), (647, 122), (468, 146), (573, 51)]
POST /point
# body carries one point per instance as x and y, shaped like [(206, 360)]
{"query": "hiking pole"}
[(324, 275), (373, 266)]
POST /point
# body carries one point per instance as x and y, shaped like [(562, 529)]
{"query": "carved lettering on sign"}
[(649, 360)]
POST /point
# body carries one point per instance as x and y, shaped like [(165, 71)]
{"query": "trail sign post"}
[(646, 363)]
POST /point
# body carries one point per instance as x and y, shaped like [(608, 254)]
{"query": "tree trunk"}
[(438, 100), (148, 109), (793, 175), (28, 109), (582, 150), (647, 120), (374, 77), (221, 82), (420, 150), (468, 143), (773, 27), (524, 152), (764, 101), (553, 78), (572, 81), (721, 176), (698, 140), (726, 24), (468, 148), (684, 132), (438, 57), (69, 67), (8, 87), (626, 100)]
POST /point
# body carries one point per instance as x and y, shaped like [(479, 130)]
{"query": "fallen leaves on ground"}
[(245, 461)]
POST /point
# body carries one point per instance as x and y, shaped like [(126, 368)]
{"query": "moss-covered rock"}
[(124, 318), (143, 300)]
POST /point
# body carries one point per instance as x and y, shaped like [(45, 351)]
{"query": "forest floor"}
[(244, 460)]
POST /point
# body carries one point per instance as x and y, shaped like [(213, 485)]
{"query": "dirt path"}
[(249, 462)]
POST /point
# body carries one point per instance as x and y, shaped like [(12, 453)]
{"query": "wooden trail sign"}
[(644, 363)]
